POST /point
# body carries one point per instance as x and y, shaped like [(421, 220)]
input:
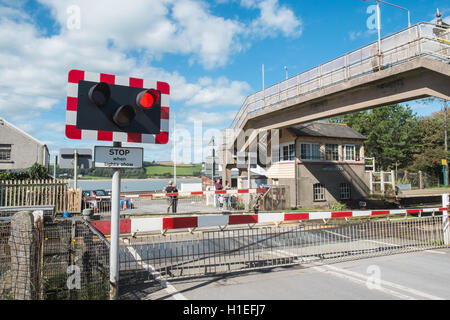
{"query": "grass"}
[(92, 178)]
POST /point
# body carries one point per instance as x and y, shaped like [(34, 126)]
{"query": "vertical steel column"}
[(115, 224)]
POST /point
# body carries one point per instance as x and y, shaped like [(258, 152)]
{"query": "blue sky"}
[(210, 52)]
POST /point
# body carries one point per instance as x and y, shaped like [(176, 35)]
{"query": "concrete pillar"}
[(24, 246)]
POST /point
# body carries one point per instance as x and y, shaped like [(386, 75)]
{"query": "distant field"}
[(92, 178), (183, 170)]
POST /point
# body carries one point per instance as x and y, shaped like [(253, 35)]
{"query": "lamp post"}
[(379, 22), (397, 6)]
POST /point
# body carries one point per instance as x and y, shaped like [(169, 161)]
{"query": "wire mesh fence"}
[(75, 262), (417, 180), (236, 250), (60, 259)]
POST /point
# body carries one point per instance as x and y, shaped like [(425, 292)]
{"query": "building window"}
[(5, 152), (319, 192), (332, 152), (287, 152), (349, 152), (310, 151), (345, 191)]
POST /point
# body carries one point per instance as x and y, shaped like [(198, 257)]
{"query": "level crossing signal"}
[(109, 108)]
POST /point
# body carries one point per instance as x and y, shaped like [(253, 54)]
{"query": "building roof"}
[(9, 124), (329, 130)]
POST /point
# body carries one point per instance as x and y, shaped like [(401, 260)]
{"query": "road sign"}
[(444, 162), (106, 107), (66, 158), (118, 157)]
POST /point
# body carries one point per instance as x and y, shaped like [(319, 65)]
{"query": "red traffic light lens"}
[(124, 115), (147, 99), (99, 94)]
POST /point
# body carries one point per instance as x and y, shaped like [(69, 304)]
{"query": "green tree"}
[(37, 171), (430, 150), (391, 133)]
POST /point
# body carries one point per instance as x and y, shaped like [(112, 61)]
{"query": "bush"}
[(37, 171), (337, 206)]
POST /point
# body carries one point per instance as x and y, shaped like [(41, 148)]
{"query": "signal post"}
[(119, 109)]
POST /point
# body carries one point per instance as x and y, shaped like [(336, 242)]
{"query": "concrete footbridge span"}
[(410, 64)]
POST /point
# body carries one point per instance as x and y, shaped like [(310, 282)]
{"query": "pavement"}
[(422, 275)]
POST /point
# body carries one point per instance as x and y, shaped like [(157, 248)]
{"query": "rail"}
[(420, 40)]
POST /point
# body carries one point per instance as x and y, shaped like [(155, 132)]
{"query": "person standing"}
[(172, 200), (218, 186), (227, 196)]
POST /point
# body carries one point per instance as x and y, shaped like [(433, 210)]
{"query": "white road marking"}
[(385, 283), (434, 251), (339, 274), (164, 283)]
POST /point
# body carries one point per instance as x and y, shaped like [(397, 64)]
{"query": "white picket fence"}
[(40, 193)]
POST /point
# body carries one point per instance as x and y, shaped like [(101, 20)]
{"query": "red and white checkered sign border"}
[(72, 132)]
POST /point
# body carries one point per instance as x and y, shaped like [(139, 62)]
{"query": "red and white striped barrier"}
[(136, 225)]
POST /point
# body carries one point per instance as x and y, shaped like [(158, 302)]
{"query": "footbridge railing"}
[(421, 40)]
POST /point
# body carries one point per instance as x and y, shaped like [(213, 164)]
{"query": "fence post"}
[(445, 222), (24, 256), (393, 180), (420, 180), (382, 181)]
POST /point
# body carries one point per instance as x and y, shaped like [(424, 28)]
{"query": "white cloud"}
[(34, 66), (218, 119), (218, 92), (158, 27), (274, 18)]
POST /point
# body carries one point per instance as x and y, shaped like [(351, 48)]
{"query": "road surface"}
[(422, 275)]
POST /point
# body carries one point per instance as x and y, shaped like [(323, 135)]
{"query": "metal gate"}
[(212, 252)]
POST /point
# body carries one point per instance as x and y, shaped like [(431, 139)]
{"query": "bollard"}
[(445, 221)]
